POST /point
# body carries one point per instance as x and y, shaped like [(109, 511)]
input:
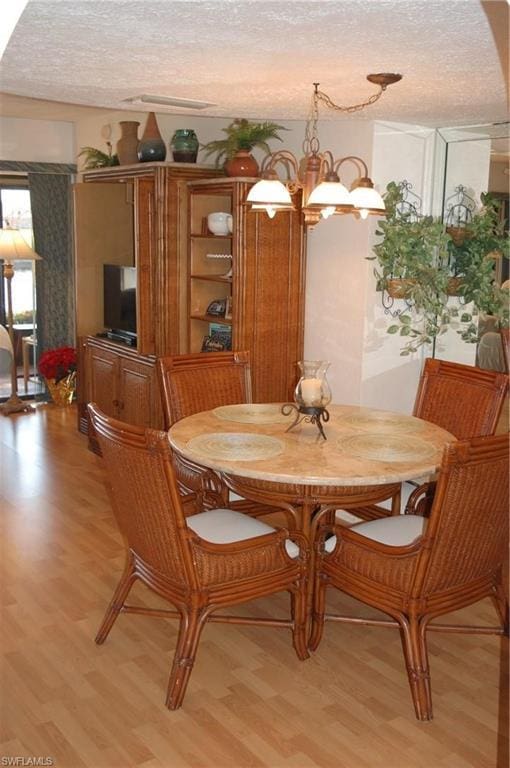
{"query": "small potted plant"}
[(95, 158), (235, 150), (58, 366)]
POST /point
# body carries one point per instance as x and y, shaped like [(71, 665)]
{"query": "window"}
[(16, 212)]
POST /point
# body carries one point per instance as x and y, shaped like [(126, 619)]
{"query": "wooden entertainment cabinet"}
[(154, 216)]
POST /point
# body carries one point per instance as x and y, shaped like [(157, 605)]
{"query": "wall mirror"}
[(473, 159)]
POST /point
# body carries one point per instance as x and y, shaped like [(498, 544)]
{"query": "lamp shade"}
[(367, 197), (329, 193), (270, 192), (14, 247)]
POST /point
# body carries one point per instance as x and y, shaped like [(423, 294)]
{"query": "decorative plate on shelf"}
[(252, 413), (386, 448), (233, 446)]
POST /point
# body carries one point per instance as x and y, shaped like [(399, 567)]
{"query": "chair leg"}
[(319, 602), (414, 643), (119, 598), (190, 629), (298, 601)]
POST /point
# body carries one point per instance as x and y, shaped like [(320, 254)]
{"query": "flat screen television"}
[(120, 302)]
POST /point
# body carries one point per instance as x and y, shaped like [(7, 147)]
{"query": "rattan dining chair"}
[(194, 383), (464, 400), (201, 563), (201, 382), (416, 569)]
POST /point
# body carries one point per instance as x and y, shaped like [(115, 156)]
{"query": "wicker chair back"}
[(463, 399)]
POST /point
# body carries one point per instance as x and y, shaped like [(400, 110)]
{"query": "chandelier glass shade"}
[(317, 174)]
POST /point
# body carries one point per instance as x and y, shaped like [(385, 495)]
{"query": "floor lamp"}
[(13, 247)]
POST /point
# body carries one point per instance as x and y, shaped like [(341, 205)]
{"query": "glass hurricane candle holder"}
[(311, 396)]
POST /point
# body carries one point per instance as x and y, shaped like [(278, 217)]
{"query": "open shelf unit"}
[(258, 273)]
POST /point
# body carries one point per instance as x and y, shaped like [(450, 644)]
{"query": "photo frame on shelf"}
[(228, 308)]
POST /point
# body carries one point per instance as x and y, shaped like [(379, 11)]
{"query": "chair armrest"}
[(190, 504), (247, 546), (420, 500), (262, 556), (358, 560)]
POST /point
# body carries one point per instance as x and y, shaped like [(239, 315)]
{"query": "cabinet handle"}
[(121, 405), (115, 403)]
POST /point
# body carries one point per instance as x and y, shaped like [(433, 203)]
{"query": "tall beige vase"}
[(127, 145)]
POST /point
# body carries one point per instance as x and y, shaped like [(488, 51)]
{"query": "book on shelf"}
[(219, 338)]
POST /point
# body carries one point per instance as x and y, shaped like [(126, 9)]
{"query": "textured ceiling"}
[(258, 58)]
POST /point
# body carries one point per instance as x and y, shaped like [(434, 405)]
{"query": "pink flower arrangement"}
[(58, 363)]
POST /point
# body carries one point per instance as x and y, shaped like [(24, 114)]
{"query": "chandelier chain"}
[(321, 96)]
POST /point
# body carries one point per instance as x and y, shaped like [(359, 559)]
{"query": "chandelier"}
[(317, 174)]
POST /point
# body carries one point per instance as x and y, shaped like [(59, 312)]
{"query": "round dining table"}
[(259, 455)]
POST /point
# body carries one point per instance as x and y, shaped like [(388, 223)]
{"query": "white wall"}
[(336, 274), (43, 141)]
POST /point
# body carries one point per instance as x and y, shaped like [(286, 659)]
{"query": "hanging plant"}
[(430, 266), (473, 262), (412, 265)]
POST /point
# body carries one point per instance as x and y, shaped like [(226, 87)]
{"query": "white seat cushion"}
[(224, 526), (396, 531), (343, 516)]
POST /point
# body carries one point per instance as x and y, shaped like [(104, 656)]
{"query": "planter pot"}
[(62, 392), (242, 164), (458, 234), (400, 288), (453, 286)]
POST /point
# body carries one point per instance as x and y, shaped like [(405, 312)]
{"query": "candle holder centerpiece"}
[(311, 396)]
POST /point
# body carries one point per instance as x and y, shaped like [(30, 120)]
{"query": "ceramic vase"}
[(127, 145), (242, 164), (151, 147), (184, 146)]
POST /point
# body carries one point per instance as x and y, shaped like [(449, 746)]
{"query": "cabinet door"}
[(102, 370), (139, 398)]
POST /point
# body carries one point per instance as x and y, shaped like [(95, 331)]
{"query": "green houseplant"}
[(472, 262), (241, 137), (95, 158), (412, 261), (418, 261)]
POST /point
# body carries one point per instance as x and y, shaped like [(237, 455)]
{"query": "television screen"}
[(120, 298)]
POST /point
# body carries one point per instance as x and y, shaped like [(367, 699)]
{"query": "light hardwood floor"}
[(250, 702)]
